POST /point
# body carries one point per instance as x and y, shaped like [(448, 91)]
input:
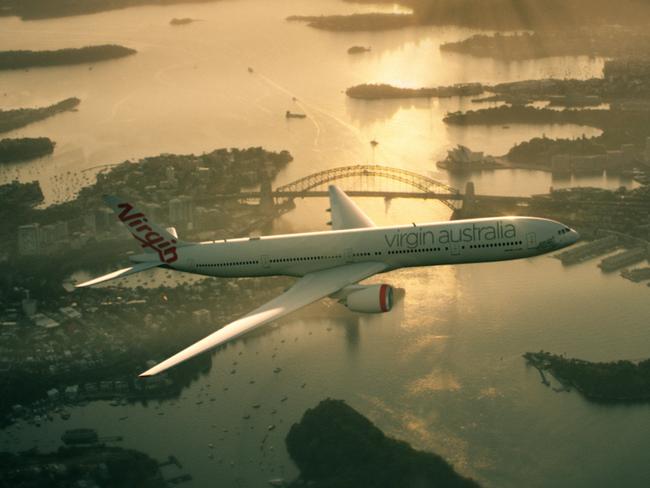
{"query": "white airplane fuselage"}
[(455, 242), (331, 263)]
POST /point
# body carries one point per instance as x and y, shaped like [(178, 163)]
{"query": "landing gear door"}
[(531, 240)]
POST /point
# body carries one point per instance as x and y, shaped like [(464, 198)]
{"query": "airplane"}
[(330, 263)]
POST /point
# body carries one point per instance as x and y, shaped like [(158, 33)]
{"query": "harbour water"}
[(443, 370)]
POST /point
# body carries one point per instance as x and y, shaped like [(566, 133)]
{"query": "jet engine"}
[(370, 299)]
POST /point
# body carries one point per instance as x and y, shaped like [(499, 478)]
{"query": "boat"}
[(358, 49), (291, 115)]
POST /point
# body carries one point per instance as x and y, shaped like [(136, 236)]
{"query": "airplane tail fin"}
[(152, 238)]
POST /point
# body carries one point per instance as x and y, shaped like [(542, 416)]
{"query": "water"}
[(189, 90), (443, 370)]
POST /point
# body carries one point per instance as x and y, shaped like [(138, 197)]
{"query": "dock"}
[(623, 259), (636, 275), (589, 250)]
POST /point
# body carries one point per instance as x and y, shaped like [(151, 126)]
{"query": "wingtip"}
[(148, 373), (153, 371)]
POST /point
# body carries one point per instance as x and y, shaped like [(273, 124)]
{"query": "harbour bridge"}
[(414, 185), (362, 181)]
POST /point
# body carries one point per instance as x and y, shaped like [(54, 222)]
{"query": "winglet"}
[(345, 213)]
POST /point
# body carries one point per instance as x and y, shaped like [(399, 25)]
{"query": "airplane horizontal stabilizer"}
[(120, 273)]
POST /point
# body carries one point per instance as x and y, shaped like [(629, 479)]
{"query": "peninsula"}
[(384, 91), (604, 41), (334, 445), (20, 117), (12, 150), (86, 465), (45, 245), (503, 15), (89, 54), (617, 381), (44, 9), (356, 22)]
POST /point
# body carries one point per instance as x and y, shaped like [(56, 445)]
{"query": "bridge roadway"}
[(361, 193)]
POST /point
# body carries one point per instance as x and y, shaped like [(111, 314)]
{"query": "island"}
[(89, 54), (616, 381), (380, 91), (20, 117), (181, 21), (334, 445), (12, 150), (523, 114)]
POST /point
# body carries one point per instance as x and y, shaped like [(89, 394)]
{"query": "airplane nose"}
[(575, 235)]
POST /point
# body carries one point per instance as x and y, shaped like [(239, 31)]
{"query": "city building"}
[(181, 212), (44, 321), (202, 317), (29, 239)]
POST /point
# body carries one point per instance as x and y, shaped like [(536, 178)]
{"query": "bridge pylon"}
[(266, 195)]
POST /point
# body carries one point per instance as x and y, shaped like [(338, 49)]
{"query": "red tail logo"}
[(146, 235)]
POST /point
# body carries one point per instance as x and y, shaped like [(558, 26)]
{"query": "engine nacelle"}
[(371, 299)]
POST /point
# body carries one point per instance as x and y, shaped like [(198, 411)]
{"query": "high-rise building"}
[(29, 306), (181, 212), (29, 239)]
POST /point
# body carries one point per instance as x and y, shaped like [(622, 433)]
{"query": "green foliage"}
[(612, 381), (40, 9), (25, 148), (335, 446), (88, 54), (17, 118), (541, 150)]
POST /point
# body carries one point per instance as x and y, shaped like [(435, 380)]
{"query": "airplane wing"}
[(345, 213), (308, 289)]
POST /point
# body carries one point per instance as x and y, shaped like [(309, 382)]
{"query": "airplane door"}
[(531, 240), (264, 260), (455, 249), (348, 255)]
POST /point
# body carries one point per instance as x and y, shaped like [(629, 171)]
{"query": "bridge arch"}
[(415, 180)]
